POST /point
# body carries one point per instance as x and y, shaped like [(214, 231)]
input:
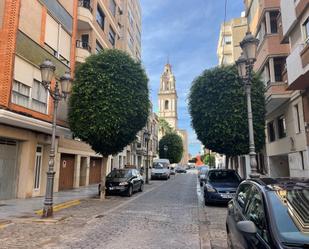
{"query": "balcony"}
[(269, 46), (298, 68), (83, 50), (276, 95), (84, 15)]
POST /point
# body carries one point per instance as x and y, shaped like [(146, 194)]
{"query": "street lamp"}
[(245, 66), (47, 73), (147, 138)]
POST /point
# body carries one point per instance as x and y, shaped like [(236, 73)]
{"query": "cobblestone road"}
[(166, 215)]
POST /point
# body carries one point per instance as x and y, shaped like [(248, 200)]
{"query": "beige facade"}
[(231, 34), (168, 98), (64, 32), (285, 135)]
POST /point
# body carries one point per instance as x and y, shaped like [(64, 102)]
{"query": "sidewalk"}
[(16, 208)]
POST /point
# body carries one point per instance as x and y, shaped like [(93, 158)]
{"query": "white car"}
[(160, 169)]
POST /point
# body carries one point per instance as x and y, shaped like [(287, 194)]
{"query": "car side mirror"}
[(247, 226)]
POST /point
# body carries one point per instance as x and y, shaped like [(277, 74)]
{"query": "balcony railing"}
[(85, 4), (84, 45)]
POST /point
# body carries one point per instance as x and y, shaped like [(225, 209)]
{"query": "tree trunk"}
[(227, 162), (103, 177)]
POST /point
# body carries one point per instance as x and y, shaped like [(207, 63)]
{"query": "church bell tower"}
[(168, 97)]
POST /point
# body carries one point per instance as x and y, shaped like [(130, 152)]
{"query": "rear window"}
[(223, 176)]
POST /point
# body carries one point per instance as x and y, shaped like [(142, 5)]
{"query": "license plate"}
[(111, 188), (227, 196)]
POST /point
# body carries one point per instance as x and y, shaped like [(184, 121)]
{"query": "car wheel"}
[(206, 202), (141, 188), (129, 191)]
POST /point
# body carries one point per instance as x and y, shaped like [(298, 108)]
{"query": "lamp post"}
[(147, 138), (47, 73), (245, 66)]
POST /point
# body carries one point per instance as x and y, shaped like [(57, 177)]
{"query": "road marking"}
[(60, 206)]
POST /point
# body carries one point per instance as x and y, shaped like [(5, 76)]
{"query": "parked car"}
[(160, 169), (172, 171), (202, 170), (220, 185), (180, 169), (270, 213), (124, 181)]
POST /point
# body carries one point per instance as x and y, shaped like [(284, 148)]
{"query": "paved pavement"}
[(168, 214), (25, 207)]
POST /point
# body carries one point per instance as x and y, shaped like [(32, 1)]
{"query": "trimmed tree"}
[(173, 143), (218, 109), (109, 102)]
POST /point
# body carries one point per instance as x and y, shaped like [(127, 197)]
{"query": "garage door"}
[(8, 169), (66, 174), (95, 170)]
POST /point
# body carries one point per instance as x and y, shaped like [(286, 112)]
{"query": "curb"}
[(61, 206), (4, 223)]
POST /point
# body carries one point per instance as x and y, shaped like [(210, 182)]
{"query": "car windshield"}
[(120, 173), (223, 176), (291, 214), (159, 165)]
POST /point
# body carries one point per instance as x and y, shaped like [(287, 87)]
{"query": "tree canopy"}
[(218, 110), (174, 147), (109, 102)]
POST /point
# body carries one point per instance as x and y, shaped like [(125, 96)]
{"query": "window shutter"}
[(52, 33), (65, 44)]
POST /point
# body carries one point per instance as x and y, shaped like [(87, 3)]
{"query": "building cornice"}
[(24, 122)]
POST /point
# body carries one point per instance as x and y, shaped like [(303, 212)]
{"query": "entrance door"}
[(8, 169), (95, 170), (66, 175)]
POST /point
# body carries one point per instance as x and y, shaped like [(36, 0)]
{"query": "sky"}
[(186, 32)]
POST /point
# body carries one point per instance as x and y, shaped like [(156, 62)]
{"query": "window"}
[(120, 162), (296, 119), (227, 40), (274, 22), (255, 213), (306, 30), (20, 94), (38, 166), (131, 41), (39, 97), (112, 7), (271, 131), (100, 17), (58, 41), (112, 36), (166, 104), (98, 47), (281, 127), (279, 64), (243, 194)]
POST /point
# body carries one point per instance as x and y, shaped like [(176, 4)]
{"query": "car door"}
[(236, 210), (255, 211), (135, 180)]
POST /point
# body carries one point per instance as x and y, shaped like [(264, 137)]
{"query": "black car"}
[(220, 185), (270, 213), (124, 181)]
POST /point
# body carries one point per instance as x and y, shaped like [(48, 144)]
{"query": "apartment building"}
[(285, 134), (295, 31), (231, 34), (66, 32)]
